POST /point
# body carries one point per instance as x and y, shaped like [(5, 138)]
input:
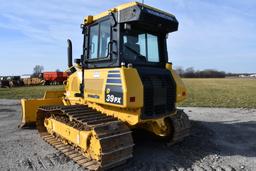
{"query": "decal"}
[(114, 71), (114, 75), (114, 94), (160, 14), (113, 81), (112, 99), (96, 74), (93, 96)]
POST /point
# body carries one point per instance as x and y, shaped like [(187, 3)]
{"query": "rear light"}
[(132, 99), (183, 93)]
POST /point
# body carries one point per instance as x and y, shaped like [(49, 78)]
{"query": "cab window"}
[(141, 46), (93, 42), (99, 39)]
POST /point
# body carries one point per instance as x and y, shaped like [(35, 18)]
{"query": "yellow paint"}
[(130, 116), (29, 108), (133, 87), (161, 127), (96, 81), (94, 149), (181, 91), (79, 138), (88, 19), (86, 140), (73, 84), (53, 94), (95, 86)]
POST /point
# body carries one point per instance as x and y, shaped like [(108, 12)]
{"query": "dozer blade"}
[(29, 107)]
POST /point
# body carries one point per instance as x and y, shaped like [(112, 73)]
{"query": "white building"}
[(25, 76), (252, 75)]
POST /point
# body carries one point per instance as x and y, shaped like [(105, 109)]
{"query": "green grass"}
[(237, 93), (26, 92)]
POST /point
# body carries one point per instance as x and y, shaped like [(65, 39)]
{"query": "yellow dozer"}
[(122, 81)]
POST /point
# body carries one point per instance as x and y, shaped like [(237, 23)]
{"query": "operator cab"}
[(130, 34), (134, 35)]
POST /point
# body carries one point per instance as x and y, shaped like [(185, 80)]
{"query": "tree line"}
[(39, 69), (207, 73)]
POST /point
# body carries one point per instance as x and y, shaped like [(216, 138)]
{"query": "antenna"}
[(142, 1)]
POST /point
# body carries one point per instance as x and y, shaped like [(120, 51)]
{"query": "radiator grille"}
[(159, 92)]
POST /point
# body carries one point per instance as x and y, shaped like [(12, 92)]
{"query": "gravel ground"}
[(221, 139)]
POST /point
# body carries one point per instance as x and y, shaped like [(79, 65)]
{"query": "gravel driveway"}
[(221, 139)]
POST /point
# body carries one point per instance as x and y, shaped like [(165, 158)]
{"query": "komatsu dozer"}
[(121, 82)]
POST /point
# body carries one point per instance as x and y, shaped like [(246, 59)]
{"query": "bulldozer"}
[(122, 81)]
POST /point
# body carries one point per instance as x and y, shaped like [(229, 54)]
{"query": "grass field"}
[(26, 92), (235, 93)]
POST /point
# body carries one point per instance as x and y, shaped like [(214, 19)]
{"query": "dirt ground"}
[(221, 139)]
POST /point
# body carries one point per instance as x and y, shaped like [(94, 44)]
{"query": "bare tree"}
[(179, 70), (38, 69), (189, 73)]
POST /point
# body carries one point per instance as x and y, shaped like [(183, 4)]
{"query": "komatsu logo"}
[(108, 90), (160, 14)]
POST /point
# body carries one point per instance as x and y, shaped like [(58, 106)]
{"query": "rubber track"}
[(114, 136)]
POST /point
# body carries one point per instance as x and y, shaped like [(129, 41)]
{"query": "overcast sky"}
[(213, 34)]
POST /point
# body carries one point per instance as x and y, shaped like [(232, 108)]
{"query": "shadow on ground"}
[(211, 140)]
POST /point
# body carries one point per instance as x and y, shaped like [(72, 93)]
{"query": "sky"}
[(212, 34)]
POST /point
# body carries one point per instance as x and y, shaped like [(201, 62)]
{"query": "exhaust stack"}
[(70, 56)]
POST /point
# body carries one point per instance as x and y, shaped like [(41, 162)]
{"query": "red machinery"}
[(55, 77)]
